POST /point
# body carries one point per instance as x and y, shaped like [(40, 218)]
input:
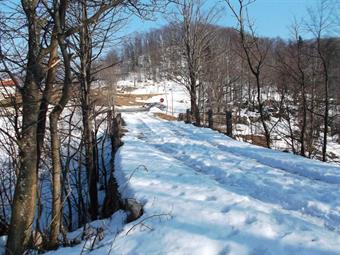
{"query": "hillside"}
[(204, 193), (169, 127)]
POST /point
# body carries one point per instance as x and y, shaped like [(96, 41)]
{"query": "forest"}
[(297, 79), (63, 130)]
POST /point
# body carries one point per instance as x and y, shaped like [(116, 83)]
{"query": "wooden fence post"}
[(187, 117), (210, 119), (229, 123)]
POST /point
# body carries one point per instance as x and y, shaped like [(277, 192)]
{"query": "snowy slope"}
[(177, 100), (175, 96), (207, 194)]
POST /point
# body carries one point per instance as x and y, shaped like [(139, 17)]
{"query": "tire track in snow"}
[(333, 180), (242, 173)]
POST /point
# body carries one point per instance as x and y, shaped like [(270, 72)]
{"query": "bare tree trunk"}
[(59, 19), (24, 202), (304, 122), (326, 114), (46, 97), (81, 204), (87, 109), (320, 22), (255, 56), (90, 165), (303, 94), (262, 117), (56, 181), (193, 102), (194, 43), (112, 196), (311, 130)]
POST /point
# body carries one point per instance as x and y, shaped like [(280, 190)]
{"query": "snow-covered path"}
[(206, 194), (227, 197), (228, 163)]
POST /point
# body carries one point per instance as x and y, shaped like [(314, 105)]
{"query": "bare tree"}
[(47, 30), (86, 47), (191, 34), (319, 24), (294, 63), (24, 201), (255, 53)]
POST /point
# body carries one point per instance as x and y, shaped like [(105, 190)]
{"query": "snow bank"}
[(205, 194)]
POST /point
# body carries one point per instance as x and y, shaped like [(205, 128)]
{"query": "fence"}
[(221, 121)]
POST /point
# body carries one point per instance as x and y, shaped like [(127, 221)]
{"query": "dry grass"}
[(132, 99), (13, 100), (165, 116), (101, 97), (259, 140), (127, 100)]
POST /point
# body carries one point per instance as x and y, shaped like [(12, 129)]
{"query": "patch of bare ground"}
[(11, 101), (16, 100), (100, 97), (259, 140), (165, 116), (103, 97)]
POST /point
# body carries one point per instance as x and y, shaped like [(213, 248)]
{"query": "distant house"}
[(7, 88)]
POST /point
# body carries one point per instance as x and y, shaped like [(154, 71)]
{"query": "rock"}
[(134, 208)]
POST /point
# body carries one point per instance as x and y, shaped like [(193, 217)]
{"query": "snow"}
[(176, 97), (204, 193), (115, 223), (177, 100), (3, 240)]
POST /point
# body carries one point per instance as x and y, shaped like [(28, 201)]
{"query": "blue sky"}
[(272, 18)]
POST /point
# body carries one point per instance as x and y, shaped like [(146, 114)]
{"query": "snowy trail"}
[(299, 166), (212, 199), (240, 206), (245, 175)]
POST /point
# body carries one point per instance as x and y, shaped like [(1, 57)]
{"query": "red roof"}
[(7, 83)]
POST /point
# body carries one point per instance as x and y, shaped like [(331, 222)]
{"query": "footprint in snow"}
[(250, 220), (226, 209), (315, 239), (226, 250), (304, 228), (233, 232), (260, 251), (154, 183), (141, 136), (174, 187), (210, 198), (284, 235)]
